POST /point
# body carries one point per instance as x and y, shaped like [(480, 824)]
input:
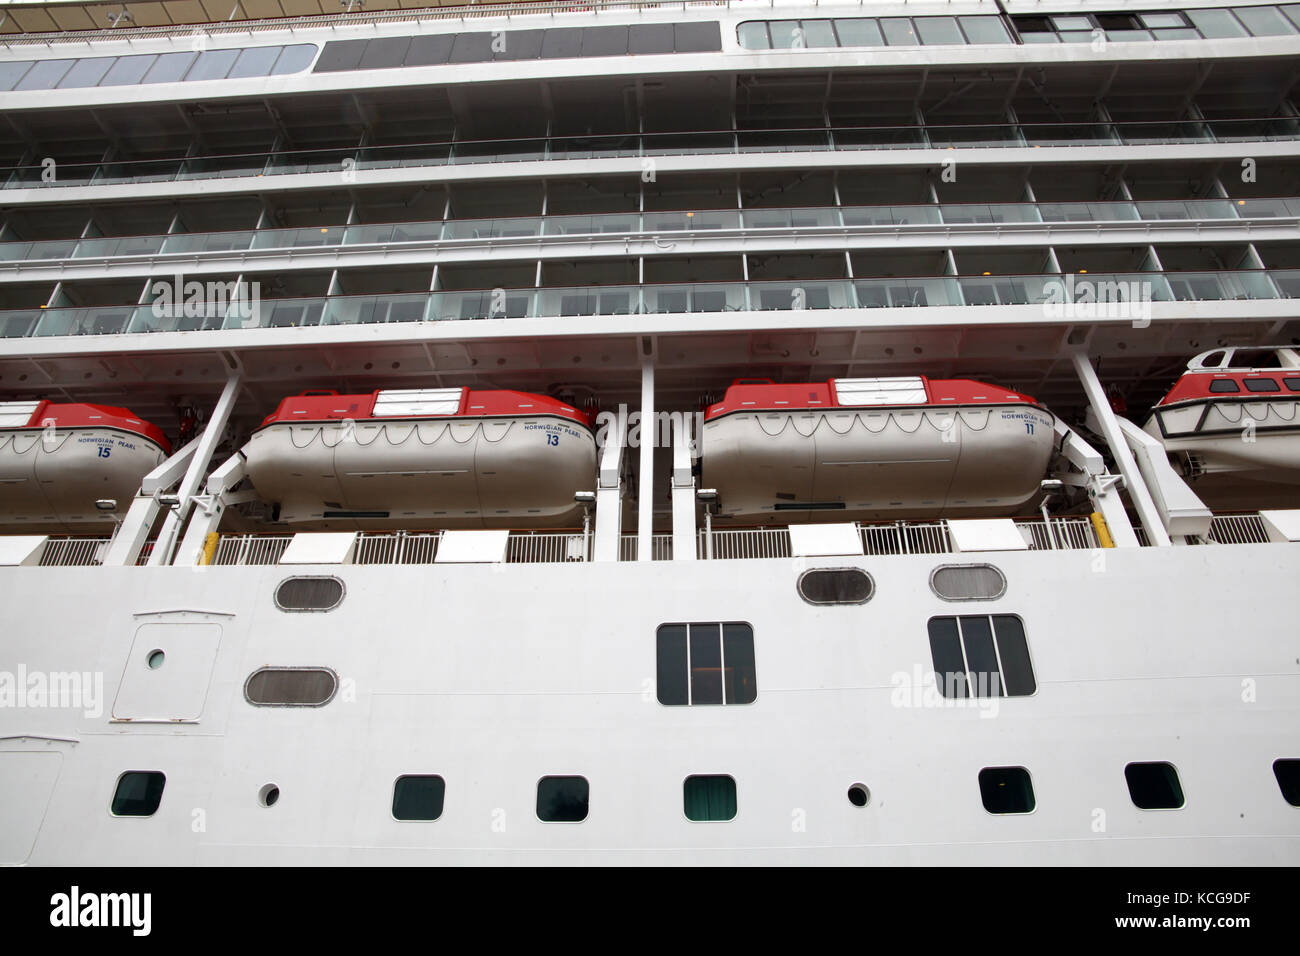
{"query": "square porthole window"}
[(1007, 790), (1287, 772), (563, 799), (705, 664), (709, 798), (1154, 786), (981, 655), (138, 793), (418, 797)]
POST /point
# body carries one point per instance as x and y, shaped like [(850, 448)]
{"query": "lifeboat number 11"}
[(1029, 427)]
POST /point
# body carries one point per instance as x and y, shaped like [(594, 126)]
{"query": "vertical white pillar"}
[(609, 491), (683, 490), (646, 484)]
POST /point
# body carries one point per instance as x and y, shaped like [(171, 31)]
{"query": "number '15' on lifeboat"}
[(433, 458), (873, 448), (57, 460)]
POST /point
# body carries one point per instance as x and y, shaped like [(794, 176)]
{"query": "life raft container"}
[(878, 448), (435, 458), (1234, 429), (58, 460)]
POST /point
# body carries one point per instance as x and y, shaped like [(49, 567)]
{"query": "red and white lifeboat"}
[(1232, 425), (873, 448), (435, 458), (57, 460)]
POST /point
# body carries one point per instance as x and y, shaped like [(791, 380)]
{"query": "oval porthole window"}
[(291, 686), (320, 593), (859, 795), (836, 586), (968, 582), (269, 795), (155, 660)]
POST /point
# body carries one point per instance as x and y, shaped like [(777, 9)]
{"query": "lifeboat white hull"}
[(1235, 454), (863, 464), (469, 473), (51, 479)]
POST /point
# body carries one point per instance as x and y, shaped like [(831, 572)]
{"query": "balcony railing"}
[(353, 159), (1121, 291), (467, 231)]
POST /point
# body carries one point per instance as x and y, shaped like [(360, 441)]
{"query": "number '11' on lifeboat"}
[(873, 448), (436, 458)]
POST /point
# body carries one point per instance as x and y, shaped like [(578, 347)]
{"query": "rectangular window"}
[(418, 797), (898, 31), (169, 67), (939, 30), (858, 33), (705, 664), (45, 75), (786, 34), (128, 70), (984, 30), (1163, 19), (1216, 24), (138, 793), (981, 656), (213, 65), (86, 72), (818, 34), (254, 61), (709, 798), (1265, 21)]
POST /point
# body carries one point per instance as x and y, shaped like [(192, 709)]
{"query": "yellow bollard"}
[(1103, 532)]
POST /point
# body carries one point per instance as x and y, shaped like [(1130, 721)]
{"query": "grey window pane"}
[(1124, 36), (169, 67), (739, 680), (1013, 649), (1182, 33), (45, 75), (471, 48), (86, 72), (859, 33), (128, 70), (558, 44), (427, 50), (706, 663), (984, 30), (1077, 36), (1071, 23), (11, 73), (752, 35), (697, 37), (786, 34), (936, 31), (898, 31), (1216, 23), (977, 638), (945, 650), (1292, 10), (604, 41), (817, 34), (650, 38), (294, 59), (1162, 19), (670, 664), (1264, 21), (384, 53), (519, 45), (340, 55), (255, 61), (1040, 38), (212, 65)]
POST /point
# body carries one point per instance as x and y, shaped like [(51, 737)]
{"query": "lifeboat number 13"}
[(552, 439)]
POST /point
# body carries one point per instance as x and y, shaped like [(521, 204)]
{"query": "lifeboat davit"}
[(434, 458), (1231, 424), (57, 460), (873, 448)]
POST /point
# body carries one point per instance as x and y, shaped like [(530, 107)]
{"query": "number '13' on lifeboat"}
[(873, 448), (435, 458)]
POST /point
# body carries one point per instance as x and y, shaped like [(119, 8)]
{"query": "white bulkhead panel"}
[(174, 686), (27, 780)]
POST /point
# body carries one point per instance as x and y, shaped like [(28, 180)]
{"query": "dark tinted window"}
[(1154, 786), (671, 664), (562, 799), (384, 53), (472, 48), (1287, 772), (309, 594), (739, 682), (518, 45), (138, 793), (968, 582), (967, 651), (696, 37), (706, 664), (561, 43), (427, 50), (1293, 384), (650, 38), (343, 55), (835, 586), (291, 686), (1006, 790), (1224, 385), (1261, 385), (708, 798), (418, 797), (604, 41)]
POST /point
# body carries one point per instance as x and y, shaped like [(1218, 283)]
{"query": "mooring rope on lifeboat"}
[(976, 420)]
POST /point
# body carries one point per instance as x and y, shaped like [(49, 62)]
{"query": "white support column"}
[(1110, 430), (207, 516), (609, 491), (646, 482), (140, 517), (683, 490), (1183, 513), (1103, 488), (206, 445)]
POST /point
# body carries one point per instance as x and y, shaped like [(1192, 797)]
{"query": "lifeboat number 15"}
[(105, 451)]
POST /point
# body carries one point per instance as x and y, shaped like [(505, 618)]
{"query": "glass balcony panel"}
[(18, 325), (367, 234), (52, 248)]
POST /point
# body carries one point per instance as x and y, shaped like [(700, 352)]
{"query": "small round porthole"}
[(268, 795), (968, 582), (309, 593), (836, 586), (155, 660), (859, 795)]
